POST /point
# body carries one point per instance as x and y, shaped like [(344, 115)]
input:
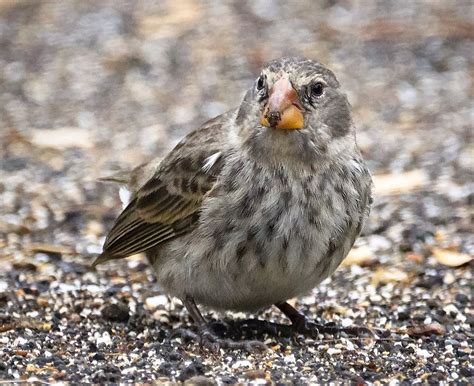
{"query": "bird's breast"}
[(264, 237), (275, 220)]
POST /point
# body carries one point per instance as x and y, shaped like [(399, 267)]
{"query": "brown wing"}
[(168, 204)]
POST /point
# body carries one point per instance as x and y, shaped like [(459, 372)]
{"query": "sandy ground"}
[(89, 87)]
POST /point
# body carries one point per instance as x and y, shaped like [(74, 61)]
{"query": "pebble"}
[(423, 353), (152, 303), (3, 286), (20, 341), (117, 312), (241, 363), (289, 358), (333, 351), (103, 339), (461, 298)]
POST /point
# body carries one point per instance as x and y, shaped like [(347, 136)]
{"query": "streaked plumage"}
[(240, 215)]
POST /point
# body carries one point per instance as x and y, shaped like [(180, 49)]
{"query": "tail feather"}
[(102, 258), (120, 177)]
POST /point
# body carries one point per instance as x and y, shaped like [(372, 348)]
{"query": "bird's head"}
[(295, 101)]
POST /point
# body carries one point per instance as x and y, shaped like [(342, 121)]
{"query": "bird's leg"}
[(306, 327), (208, 339)]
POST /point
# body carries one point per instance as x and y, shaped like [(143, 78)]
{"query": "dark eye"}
[(316, 89), (261, 81)]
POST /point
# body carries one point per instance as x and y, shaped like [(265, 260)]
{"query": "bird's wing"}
[(167, 205)]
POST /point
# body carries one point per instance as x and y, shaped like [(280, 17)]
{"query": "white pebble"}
[(346, 322), (92, 288), (289, 359), (3, 286), (20, 341), (423, 353), (350, 345), (450, 308), (154, 302), (332, 351), (105, 339), (240, 364)]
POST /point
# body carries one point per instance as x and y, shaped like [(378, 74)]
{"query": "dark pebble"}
[(175, 356), (3, 299), (461, 353), (429, 281), (195, 368), (98, 356), (228, 380), (42, 361), (470, 320), (116, 312), (165, 369), (403, 315), (461, 298), (452, 342), (109, 373), (466, 372), (42, 285)]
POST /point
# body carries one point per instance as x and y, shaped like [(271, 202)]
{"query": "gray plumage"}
[(242, 216)]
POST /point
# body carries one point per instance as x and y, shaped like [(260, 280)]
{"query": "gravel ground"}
[(87, 87)]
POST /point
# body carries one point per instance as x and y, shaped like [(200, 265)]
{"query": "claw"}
[(314, 329), (208, 340)]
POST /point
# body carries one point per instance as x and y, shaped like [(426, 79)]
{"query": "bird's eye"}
[(316, 89), (261, 81)]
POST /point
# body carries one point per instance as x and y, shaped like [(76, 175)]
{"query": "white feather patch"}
[(210, 161), (124, 195)]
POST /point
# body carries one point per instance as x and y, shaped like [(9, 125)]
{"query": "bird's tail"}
[(102, 258), (121, 177)]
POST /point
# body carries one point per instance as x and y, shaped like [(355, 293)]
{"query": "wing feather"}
[(167, 205)]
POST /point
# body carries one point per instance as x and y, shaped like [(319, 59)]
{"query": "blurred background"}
[(88, 87)]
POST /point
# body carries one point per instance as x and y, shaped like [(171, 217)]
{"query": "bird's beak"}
[(282, 110)]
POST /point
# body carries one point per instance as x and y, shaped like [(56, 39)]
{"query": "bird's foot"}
[(309, 328), (209, 340), (312, 329)]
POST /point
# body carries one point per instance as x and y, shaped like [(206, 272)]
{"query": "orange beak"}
[(281, 110)]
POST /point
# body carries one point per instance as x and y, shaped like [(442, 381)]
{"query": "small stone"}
[(152, 303), (461, 298), (20, 341), (423, 353), (242, 363), (103, 339), (98, 356), (289, 358), (161, 316), (466, 372), (200, 380), (332, 351), (117, 312)]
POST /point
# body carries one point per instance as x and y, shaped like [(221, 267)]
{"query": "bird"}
[(255, 207)]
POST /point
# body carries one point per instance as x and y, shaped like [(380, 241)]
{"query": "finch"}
[(256, 206)]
